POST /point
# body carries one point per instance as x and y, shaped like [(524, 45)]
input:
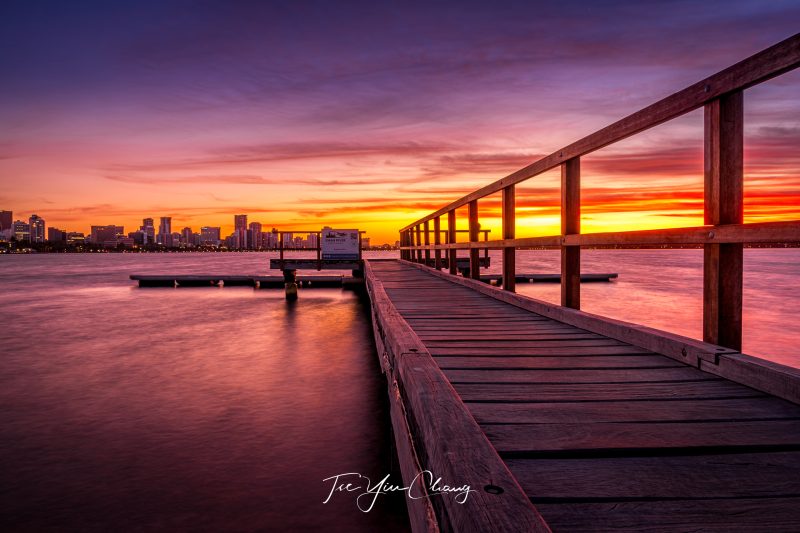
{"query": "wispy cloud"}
[(244, 179), (230, 179)]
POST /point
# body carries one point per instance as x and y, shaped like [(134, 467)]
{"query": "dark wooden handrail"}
[(721, 96)]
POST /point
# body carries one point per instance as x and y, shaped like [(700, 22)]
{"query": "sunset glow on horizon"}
[(371, 116)]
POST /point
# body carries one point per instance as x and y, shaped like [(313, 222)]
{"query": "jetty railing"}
[(723, 235)]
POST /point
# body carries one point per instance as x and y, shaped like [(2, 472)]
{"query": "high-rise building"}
[(269, 240), (149, 231), (22, 230), (56, 235), (240, 229), (210, 235), (138, 237), (186, 237), (6, 220), (106, 235), (165, 231), (37, 228), (254, 236)]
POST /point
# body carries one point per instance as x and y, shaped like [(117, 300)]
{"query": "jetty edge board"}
[(594, 439), (435, 432)]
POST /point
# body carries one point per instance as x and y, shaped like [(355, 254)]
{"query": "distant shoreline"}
[(172, 251), (44, 250)]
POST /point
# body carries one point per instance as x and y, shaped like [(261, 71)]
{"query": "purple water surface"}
[(217, 409)]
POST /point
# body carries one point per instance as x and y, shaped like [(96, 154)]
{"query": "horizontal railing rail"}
[(722, 238)]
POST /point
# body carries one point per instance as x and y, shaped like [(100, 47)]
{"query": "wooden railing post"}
[(403, 242), (419, 243), (452, 254), (509, 232), (437, 240), (474, 253), (570, 224), (724, 193), (427, 243)]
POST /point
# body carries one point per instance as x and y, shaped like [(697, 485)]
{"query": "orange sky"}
[(353, 126)]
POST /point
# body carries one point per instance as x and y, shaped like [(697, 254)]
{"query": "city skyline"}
[(245, 236), (375, 120)]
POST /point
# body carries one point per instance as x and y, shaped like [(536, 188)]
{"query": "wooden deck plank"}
[(564, 349), (521, 345), (768, 515), (560, 375), (573, 361), (624, 436), (495, 338), (485, 326), (437, 333), (586, 339), (682, 477), (625, 411), (594, 392)]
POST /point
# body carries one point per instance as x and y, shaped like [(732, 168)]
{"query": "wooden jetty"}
[(584, 423), (263, 282), (562, 420)]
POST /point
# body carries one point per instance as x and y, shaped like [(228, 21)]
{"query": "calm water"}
[(189, 409), (224, 408)]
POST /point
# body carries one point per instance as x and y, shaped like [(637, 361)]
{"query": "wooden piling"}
[(290, 283)]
